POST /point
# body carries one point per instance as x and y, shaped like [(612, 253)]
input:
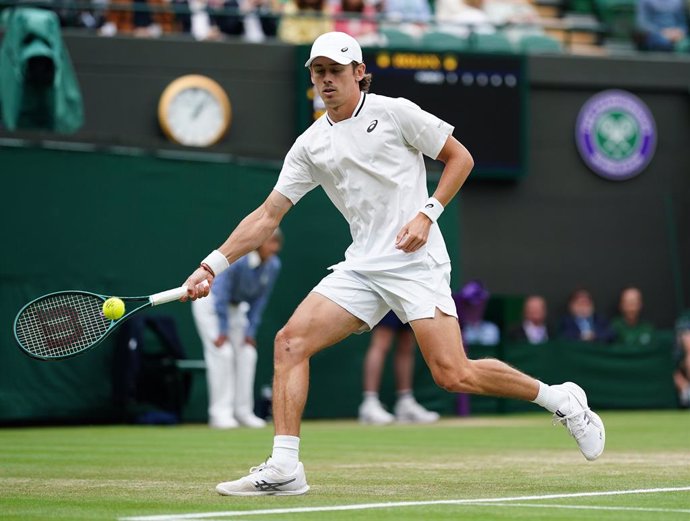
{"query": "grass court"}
[(515, 467)]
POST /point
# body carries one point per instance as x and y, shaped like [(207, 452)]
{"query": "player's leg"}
[(407, 409), (317, 323), (371, 411), (440, 341)]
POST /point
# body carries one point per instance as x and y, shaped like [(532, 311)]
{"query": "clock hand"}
[(197, 110)]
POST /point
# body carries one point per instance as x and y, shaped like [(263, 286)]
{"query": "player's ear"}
[(360, 71)]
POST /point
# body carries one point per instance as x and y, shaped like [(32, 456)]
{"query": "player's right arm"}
[(251, 233)]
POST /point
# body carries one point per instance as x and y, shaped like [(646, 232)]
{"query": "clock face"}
[(194, 111)]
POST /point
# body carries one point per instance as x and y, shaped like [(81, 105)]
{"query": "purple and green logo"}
[(615, 134)]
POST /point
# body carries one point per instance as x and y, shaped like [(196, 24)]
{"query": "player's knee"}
[(454, 379), (288, 347)]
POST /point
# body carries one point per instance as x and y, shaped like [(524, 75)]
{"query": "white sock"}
[(371, 396), (551, 398), (285, 455), (405, 395)]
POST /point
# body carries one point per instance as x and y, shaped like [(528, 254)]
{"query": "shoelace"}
[(574, 422), (259, 468)]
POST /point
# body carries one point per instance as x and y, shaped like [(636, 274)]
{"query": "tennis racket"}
[(68, 323)]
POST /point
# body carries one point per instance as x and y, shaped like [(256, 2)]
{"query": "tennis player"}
[(367, 152)]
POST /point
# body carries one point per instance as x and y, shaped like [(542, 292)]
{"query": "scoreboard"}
[(482, 95)]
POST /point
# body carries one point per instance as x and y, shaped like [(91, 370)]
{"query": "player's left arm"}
[(458, 165)]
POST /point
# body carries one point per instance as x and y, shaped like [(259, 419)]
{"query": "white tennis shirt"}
[(372, 169)]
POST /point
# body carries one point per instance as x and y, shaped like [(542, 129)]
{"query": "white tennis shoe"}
[(583, 424), (408, 410), (371, 412), (266, 480)]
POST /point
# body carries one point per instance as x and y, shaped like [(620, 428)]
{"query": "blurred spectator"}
[(516, 18), (581, 322), (253, 20), (357, 18), (681, 375), (463, 17), (407, 409), (661, 24), (130, 17), (533, 328), (471, 302), (628, 328), (412, 11), (304, 20), (408, 16)]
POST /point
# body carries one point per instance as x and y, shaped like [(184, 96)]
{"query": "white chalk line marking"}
[(399, 504), (586, 507)]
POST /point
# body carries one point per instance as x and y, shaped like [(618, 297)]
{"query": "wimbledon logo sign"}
[(615, 134)]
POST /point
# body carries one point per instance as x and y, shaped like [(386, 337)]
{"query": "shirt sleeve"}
[(295, 178), (419, 128)]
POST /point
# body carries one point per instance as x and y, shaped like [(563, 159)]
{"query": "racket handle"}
[(170, 295)]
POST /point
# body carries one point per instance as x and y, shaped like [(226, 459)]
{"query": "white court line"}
[(587, 507), (400, 504)]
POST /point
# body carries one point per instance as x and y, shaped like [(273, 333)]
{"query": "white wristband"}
[(217, 262), (432, 209)]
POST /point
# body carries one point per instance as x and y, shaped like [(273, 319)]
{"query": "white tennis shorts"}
[(413, 291)]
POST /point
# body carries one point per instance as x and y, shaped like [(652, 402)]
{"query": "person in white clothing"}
[(366, 153), (227, 323)]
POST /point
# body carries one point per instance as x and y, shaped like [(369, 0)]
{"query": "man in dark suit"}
[(581, 322)]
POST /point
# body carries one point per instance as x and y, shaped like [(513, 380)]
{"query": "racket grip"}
[(168, 296)]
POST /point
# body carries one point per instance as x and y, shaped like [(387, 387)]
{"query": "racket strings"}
[(62, 325)]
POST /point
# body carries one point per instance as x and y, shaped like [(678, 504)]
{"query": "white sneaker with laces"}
[(266, 480), (583, 424), (408, 410), (371, 412)]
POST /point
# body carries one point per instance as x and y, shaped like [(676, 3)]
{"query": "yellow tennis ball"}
[(113, 308)]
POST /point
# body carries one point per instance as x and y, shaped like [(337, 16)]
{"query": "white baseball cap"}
[(339, 47)]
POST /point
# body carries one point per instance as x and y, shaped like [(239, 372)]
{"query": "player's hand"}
[(218, 342), (198, 284), (414, 234)]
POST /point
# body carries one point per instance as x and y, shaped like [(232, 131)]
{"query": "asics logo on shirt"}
[(372, 126)]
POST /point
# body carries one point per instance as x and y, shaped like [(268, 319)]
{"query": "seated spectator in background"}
[(410, 16), (253, 20), (628, 328), (358, 19), (661, 24), (581, 322), (681, 376), (517, 18), (533, 328), (304, 20), (463, 17), (130, 17), (471, 302)]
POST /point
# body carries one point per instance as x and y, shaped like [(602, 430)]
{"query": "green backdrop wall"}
[(124, 225)]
